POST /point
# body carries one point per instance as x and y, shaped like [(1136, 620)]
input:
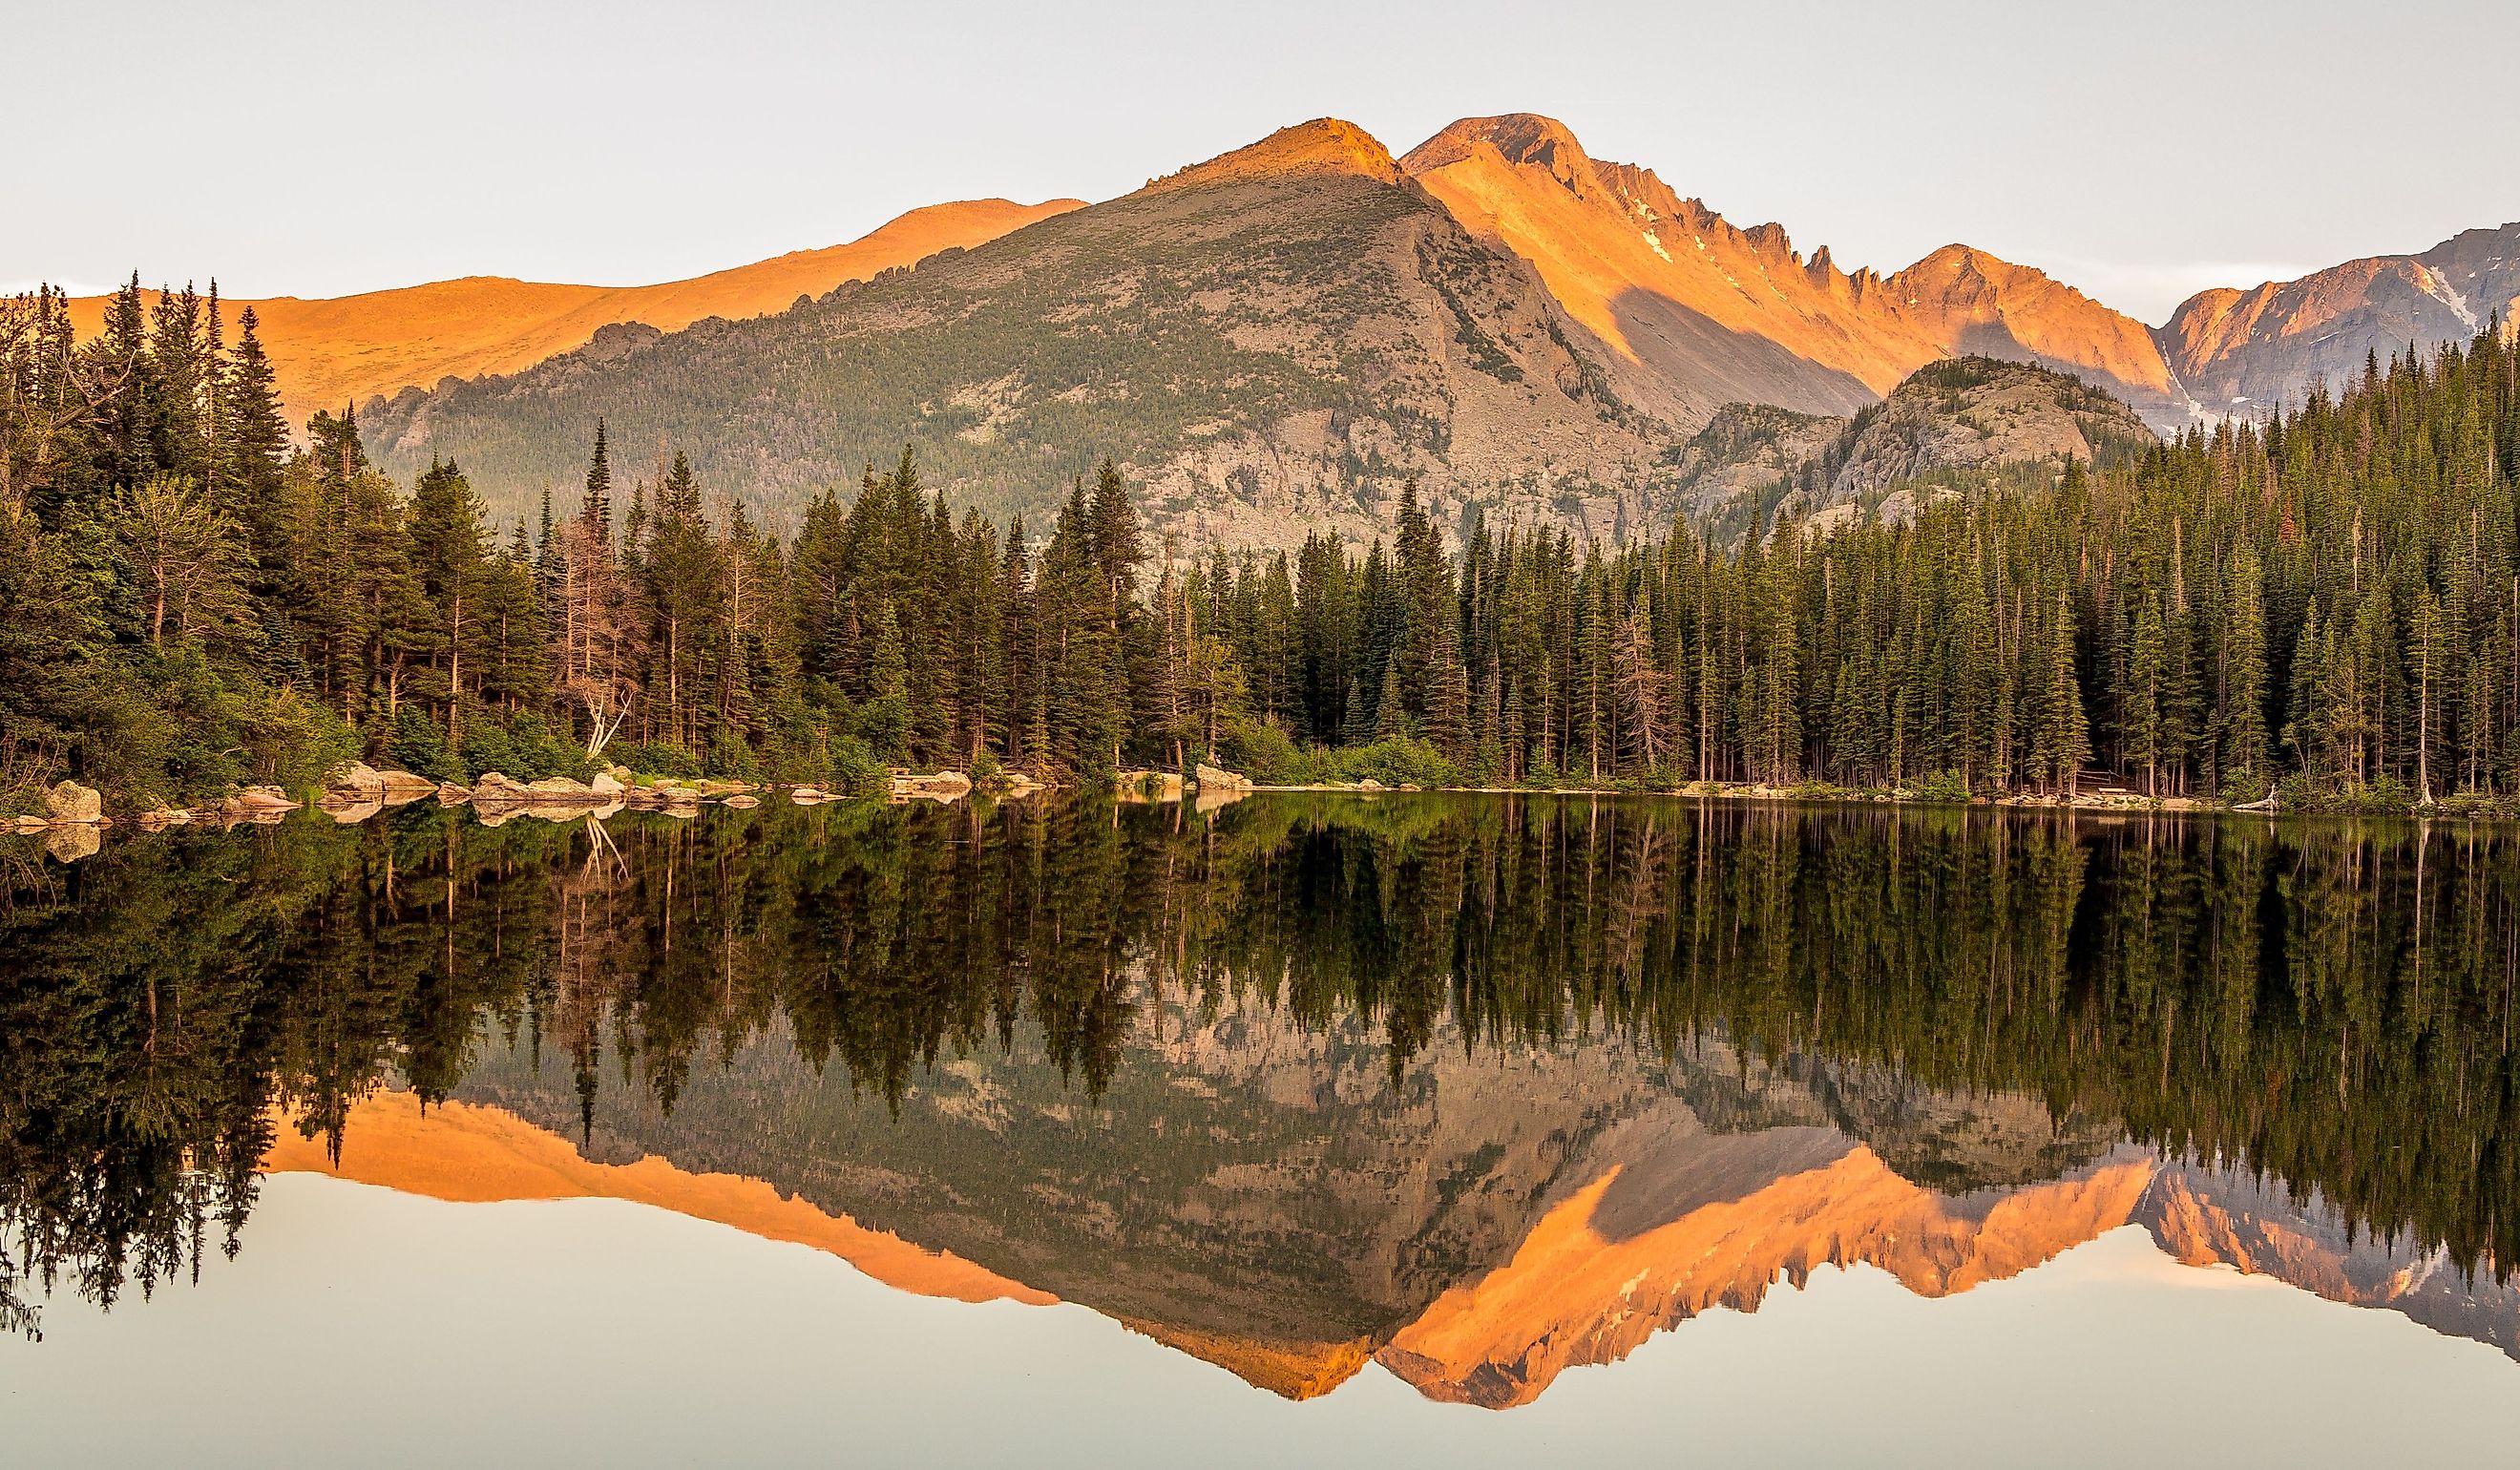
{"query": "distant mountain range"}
[(1271, 340), (327, 353)]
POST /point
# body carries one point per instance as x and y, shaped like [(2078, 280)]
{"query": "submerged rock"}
[(356, 781), (402, 785), (255, 804)]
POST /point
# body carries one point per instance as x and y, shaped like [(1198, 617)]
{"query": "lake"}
[(1313, 1128)]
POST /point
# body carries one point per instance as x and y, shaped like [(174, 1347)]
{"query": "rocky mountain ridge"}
[(332, 351), (1271, 340), (1741, 314), (2244, 352)]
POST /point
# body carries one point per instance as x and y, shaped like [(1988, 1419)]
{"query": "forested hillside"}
[(186, 605)]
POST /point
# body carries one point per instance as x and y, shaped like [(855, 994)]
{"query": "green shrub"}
[(1943, 788), (1264, 751), (418, 746), (526, 748), (656, 758), (1399, 761), (855, 769)]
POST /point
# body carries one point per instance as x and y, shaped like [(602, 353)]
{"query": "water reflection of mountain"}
[(1485, 1089), (1263, 1198)]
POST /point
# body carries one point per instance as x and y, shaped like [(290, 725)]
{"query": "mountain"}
[(1954, 425), (1723, 313), (349, 349), (2245, 351), (1269, 341), (1962, 425)]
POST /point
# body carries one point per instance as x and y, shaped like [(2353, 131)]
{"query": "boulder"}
[(70, 804), (356, 781), (942, 785), (492, 786), (254, 804), (158, 819), (453, 795), (560, 790), (664, 795), (806, 796), (1218, 779), (608, 785), (1369, 785), (741, 802), (402, 785)]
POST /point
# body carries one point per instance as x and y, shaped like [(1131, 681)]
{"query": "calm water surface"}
[(1310, 1130)]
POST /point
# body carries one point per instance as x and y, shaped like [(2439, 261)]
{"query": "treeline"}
[(2331, 598)]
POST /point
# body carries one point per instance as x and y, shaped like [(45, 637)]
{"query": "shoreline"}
[(70, 840)]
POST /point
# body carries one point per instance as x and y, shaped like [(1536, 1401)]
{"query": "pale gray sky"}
[(2137, 149)]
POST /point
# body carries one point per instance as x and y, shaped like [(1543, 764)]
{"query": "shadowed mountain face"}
[(1480, 1089), (326, 354), (2245, 352)]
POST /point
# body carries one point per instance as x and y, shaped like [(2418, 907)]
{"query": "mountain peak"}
[(1520, 138), (1323, 146)]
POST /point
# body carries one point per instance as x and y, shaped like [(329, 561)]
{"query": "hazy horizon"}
[(2140, 157)]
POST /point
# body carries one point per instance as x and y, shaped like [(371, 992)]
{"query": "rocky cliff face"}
[(1723, 314), (1955, 427), (1975, 304), (2248, 351), (1713, 314)]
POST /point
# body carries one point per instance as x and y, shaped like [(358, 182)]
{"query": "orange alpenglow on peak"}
[(1717, 313), (470, 1154), (331, 351), (1727, 314), (1323, 146)]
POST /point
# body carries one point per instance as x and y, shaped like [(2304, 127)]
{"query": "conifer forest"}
[(2324, 606)]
